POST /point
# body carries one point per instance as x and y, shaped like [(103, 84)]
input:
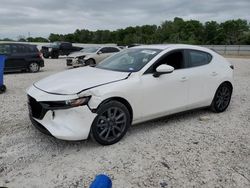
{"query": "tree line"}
[(230, 32)]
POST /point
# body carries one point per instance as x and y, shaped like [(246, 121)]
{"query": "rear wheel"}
[(111, 123), (34, 67), (2, 89), (222, 98)]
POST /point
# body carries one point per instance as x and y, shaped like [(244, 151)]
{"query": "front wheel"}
[(34, 67), (111, 123), (91, 62), (222, 98)]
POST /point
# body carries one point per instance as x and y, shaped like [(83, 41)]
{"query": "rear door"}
[(17, 59), (201, 78)]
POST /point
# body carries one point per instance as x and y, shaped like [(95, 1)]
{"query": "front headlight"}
[(77, 102), (86, 58), (66, 104), (81, 57)]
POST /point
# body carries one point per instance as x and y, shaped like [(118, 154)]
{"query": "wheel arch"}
[(227, 82), (121, 100), (91, 58)]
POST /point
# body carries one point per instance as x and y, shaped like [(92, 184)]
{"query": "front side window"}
[(174, 58), (130, 60), (105, 50), (113, 50), (198, 58)]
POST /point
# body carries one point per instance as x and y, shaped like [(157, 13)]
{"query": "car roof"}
[(166, 46), (16, 43)]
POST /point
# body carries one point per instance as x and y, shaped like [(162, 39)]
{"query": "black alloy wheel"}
[(222, 98), (111, 123)]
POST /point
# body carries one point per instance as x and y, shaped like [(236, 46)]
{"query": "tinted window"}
[(109, 50), (198, 58), (104, 50), (32, 49), (174, 59), (4, 49), (19, 49), (112, 50), (14, 49), (66, 45)]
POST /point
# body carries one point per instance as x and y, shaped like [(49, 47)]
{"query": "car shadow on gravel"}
[(134, 129), (169, 120)]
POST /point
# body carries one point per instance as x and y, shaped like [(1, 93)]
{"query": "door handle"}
[(184, 78), (214, 74)]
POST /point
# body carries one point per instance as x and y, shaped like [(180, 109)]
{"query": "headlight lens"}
[(77, 102), (66, 104)]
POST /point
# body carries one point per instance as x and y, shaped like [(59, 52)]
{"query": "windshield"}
[(130, 60), (90, 49)]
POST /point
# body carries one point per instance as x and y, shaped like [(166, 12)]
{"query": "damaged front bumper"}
[(66, 124)]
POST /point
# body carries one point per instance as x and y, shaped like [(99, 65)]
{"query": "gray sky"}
[(42, 17)]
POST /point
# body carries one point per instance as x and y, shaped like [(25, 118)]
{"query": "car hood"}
[(76, 80), (78, 54)]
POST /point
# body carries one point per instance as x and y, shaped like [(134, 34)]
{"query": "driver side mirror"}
[(99, 52), (163, 69)]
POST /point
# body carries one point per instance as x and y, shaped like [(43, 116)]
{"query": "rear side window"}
[(4, 49), (32, 49), (198, 58), (19, 49)]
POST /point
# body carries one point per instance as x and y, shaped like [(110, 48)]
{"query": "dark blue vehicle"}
[(2, 86), (21, 57)]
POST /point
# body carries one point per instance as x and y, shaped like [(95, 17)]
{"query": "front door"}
[(167, 93)]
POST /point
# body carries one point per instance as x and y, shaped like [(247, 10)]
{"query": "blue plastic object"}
[(2, 62), (101, 181)]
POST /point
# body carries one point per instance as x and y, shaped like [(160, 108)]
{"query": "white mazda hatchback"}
[(135, 85)]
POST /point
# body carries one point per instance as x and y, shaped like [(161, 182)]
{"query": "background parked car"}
[(21, 57), (91, 56), (56, 49)]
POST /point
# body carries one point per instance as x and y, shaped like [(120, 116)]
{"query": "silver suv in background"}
[(91, 55)]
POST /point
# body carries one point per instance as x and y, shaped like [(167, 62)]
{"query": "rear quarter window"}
[(198, 58), (32, 49)]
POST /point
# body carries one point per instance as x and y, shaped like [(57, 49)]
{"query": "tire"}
[(2, 89), (222, 98), (91, 62), (34, 67), (111, 123), (54, 55)]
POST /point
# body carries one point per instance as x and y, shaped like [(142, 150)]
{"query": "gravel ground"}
[(195, 149)]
